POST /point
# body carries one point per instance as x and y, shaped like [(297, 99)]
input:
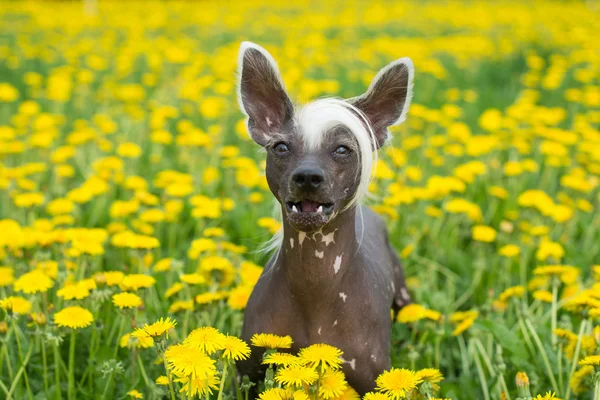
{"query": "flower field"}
[(133, 202)]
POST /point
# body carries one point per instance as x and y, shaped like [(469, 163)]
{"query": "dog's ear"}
[(261, 93), (386, 101)]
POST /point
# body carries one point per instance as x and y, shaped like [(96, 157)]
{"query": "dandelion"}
[(73, 317), (207, 339), (134, 394), (283, 359), (463, 326), (15, 304), (430, 375), (296, 375), (74, 291), (321, 356), (271, 341), (162, 380), (192, 367), (376, 396), (591, 360), (275, 394), (397, 383), (547, 396), (332, 384), (33, 282), (235, 348), (416, 312), (482, 233), (156, 329), (6, 276), (126, 300)]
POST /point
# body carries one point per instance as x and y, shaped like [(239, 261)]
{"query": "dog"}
[(334, 277)]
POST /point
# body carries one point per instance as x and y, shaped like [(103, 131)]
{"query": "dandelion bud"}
[(522, 381), (3, 327)]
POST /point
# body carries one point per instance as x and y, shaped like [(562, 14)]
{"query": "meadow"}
[(133, 202)]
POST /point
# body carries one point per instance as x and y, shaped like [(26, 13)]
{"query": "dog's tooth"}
[(320, 210), (294, 209)]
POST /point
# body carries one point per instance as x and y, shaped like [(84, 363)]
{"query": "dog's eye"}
[(342, 151), (281, 149)]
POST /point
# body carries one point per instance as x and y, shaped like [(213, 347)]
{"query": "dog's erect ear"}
[(386, 101), (261, 93)]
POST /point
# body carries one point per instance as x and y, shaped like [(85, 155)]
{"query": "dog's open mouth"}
[(308, 206)]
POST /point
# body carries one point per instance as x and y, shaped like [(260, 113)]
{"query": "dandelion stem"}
[(223, 377), (554, 309), (20, 372), (71, 392), (25, 377), (575, 358), (561, 379), (169, 377), (45, 364), (57, 371), (542, 351), (108, 384), (143, 370)]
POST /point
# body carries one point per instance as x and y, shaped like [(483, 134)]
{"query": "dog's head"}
[(319, 156)]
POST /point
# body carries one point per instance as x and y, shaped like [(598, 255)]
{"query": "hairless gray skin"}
[(335, 276)]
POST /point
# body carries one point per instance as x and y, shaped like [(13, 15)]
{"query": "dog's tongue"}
[(309, 206)]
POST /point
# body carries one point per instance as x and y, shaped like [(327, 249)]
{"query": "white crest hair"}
[(318, 117)]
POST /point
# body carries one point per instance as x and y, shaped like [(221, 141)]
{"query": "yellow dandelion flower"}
[(547, 396), (397, 383), (208, 297), (459, 316), (174, 289), (296, 375), (430, 375), (74, 317), (137, 281), (134, 394), (271, 341), (275, 394), (192, 367), (74, 291), (321, 355), (482, 233), (235, 348), (514, 291), (141, 342), (126, 300), (6, 276), (332, 384), (158, 328), (349, 394), (162, 380), (543, 295), (376, 396), (206, 338), (463, 326), (578, 381), (15, 304), (284, 359), (416, 312), (591, 360), (33, 282)]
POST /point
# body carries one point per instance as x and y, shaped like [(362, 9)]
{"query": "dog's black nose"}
[(308, 178)]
